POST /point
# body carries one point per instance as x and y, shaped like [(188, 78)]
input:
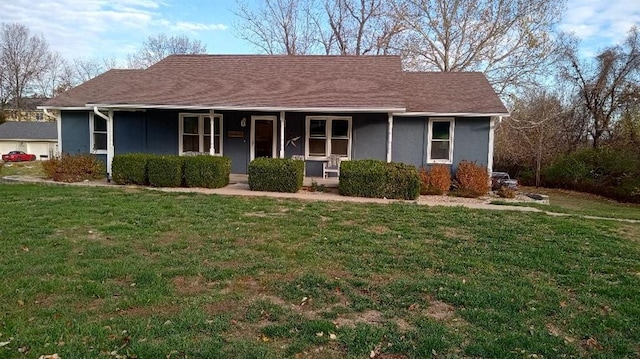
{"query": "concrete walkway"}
[(239, 187)]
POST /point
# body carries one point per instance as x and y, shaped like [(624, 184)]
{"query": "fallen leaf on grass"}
[(50, 356), (591, 344), (5, 343)]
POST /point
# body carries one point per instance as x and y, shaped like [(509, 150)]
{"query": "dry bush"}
[(76, 168), (436, 180), (506, 192), (472, 180)]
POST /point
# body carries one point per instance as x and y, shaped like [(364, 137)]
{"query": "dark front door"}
[(263, 136)]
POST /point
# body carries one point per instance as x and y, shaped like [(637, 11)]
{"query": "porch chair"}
[(331, 166)]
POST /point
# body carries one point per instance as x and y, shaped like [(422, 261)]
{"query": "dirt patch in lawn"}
[(440, 310), (378, 229), (457, 233), (629, 231), (161, 310), (191, 285)]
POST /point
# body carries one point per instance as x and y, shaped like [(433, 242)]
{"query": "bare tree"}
[(56, 78), (605, 84), (24, 59), (361, 27), (157, 47), (508, 40), (541, 126), (84, 69), (278, 26)]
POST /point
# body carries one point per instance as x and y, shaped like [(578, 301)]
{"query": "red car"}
[(17, 156)]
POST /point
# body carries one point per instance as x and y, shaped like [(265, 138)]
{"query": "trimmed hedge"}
[(276, 175), (206, 171), (378, 179), (130, 168), (165, 171)]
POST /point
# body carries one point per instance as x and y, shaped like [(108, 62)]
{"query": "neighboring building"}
[(248, 106), (38, 138), (29, 111)]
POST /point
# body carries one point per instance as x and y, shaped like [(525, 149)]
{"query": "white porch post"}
[(59, 125), (212, 151), (282, 122), (389, 136), (110, 145)]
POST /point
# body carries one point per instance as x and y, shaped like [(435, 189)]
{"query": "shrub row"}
[(472, 180), (606, 171), (378, 179), (436, 180), (76, 168), (276, 175), (171, 171)]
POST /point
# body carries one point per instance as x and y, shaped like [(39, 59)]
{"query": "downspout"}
[(58, 118), (389, 136), (492, 127), (110, 147)]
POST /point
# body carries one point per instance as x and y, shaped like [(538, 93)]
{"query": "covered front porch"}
[(331, 182)]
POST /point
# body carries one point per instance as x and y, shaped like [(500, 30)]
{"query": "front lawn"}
[(32, 168), (128, 273)]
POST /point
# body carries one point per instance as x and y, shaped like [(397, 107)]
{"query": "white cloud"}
[(97, 28), (600, 23), (194, 26)]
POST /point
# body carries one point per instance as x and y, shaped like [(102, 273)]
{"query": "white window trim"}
[(201, 121), (92, 133), (452, 125), (328, 127)]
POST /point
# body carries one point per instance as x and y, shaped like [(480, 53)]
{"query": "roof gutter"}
[(454, 114), (248, 108), (47, 113)]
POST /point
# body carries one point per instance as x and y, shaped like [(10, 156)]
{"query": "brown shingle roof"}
[(450, 92), (93, 89), (268, 81), (253, 81)]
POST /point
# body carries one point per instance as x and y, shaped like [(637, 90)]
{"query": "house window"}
[(98, 130), (328, 136), (440, 140), (195, 133)]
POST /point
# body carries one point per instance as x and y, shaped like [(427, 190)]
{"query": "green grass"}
[(570, 202), (100, 272), (32, 168)]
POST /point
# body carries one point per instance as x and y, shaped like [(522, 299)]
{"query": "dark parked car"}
[(502, 179), (17, 156)]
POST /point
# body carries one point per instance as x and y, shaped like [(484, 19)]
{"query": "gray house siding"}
[(129, 132), (75, 132), (471, 140), (369, 136), (409, 140)]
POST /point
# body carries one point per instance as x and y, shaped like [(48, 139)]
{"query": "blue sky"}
[(114, 28)]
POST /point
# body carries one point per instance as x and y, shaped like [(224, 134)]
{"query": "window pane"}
[(207, 125), (99, 124), (317, 147), (339, 147), (216, 124), (190, 143), (206, 143), (340, 128), (100, 141), (191, 125), (216, 143), (317, 128), (440, 130), (439, 150)]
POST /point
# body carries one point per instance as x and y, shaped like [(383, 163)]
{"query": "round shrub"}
[(76, 168), (130, 168), (165, 171), (206, 171), (276, 174), (472, 180)]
